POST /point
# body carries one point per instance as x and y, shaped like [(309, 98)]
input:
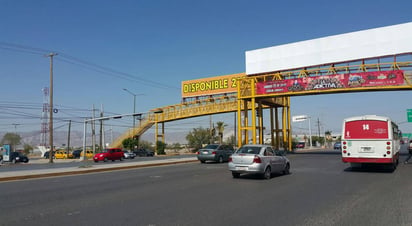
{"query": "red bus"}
[(370, 139)]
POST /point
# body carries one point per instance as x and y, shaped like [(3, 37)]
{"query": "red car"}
[(300, 145), (109, 154)]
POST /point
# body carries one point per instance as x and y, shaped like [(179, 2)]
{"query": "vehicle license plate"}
[(366, 149), (241, 168), (205, 152)]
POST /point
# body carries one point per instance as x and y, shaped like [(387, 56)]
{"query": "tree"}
[(27, 148), (175, 146), (145, 144), (130, 143), (197, 137), (12, 139), (328, 136), (231, 140), (220, 128)]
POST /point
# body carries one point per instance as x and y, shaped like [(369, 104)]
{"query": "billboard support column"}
[(272, 131), (284, 126), (239, 123), (260, 118), (289, 124)]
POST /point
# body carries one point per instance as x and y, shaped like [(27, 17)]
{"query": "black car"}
[(18, 157), (76, 154), (143, 152), (46, 154)]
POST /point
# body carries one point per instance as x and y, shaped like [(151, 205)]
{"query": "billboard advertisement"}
[(6, 152), (383, 41), (211, 86), (348, 80)]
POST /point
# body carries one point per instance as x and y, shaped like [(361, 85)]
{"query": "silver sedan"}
[(258, 159)]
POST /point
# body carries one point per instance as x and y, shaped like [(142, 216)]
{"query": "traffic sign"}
[(409, 115), (300, 118)]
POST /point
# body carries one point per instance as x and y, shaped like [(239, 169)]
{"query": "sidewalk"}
[(87, 167)]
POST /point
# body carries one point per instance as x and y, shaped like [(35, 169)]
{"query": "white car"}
[(129, 155), (258, 159)]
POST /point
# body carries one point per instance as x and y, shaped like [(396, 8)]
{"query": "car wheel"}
[(105, 159), (202, 161), (121, 158), (13, 161), (267, 174), (235, 175), (220, 159), (287, 169)]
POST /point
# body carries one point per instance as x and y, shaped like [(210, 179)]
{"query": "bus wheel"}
[(393, 166)]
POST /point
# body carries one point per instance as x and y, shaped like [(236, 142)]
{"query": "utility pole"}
[(68, 138), (101, 142), (93, 134), (51, 55), (15, 132), (15, 127)]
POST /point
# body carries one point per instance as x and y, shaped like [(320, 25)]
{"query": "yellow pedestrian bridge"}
[(273, 91)]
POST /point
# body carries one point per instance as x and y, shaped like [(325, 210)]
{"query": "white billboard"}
[(369, 43)]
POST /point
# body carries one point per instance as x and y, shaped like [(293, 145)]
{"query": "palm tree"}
[(328, 138), (220, 128)]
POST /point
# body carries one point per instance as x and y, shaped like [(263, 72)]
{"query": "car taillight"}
[(214, 153), (230, 158), (197, 153), (256, 159)]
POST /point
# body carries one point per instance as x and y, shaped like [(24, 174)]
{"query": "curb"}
[(89, 170)]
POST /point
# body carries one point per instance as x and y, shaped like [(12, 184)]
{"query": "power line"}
[(85, 64)]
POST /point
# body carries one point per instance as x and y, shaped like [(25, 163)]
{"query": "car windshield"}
[(211, 146), (248, 150)]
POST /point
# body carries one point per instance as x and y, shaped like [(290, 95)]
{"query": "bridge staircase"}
[(189, 109)]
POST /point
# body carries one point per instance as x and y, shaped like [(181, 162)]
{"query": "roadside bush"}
[(161, 148)]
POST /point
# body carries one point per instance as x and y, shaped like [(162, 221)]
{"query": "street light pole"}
[(134, 104), (310, 134)]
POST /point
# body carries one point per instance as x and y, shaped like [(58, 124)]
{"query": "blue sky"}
[(150, 46)]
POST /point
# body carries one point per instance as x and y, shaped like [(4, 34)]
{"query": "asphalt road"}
[(321, 190), (41, 163)]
